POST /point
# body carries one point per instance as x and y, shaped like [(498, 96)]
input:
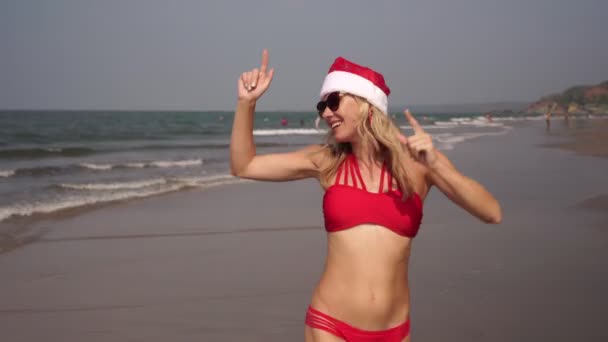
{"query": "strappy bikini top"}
[(346, 206)]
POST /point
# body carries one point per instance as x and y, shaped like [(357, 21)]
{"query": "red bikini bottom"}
[(318, 320)]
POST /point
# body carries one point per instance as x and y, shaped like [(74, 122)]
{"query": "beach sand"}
[(586, 137), (239, 262)]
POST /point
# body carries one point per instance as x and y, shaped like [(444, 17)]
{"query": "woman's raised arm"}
[(244, 162)]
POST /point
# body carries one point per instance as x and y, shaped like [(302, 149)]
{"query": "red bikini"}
[(347, 206), (318, 320)]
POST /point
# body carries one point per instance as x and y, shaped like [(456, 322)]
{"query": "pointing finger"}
[(413, 122), (264, 64)]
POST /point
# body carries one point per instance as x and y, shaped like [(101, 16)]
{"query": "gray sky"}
[(187, 55)]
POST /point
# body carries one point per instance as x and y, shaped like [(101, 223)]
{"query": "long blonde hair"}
[(380, 133)]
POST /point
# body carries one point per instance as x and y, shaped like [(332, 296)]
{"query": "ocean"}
[(54, 160)]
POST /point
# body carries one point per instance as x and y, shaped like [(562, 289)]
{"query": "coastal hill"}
[(591, 99)]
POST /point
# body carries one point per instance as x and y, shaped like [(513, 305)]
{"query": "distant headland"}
[(592, 99)]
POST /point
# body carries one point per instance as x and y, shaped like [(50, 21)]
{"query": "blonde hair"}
[(380, 133)]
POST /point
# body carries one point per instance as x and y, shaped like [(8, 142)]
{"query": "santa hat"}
[(346, 76)]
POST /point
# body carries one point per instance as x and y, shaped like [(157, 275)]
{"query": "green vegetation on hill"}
[(582, 95), (578, 99)]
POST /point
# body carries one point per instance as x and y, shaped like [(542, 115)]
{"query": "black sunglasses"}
[(333, 102)]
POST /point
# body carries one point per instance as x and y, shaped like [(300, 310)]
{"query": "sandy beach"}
[(238, 262), (582, 137)]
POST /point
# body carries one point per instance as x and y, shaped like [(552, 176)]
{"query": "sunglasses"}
[(333, 102)]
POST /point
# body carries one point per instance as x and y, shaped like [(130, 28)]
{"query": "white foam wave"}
[(520, 118), (27, 209), (206, 180), (115, 186), (177, 163), (289, 131), (184, 181), (93, 166), (140, 165), (446, 123), (459, 122), (460, 119), (479, 121), (7, 173), (432, 127), (44, 207), (448, 140)]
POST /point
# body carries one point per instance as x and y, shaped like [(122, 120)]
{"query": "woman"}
[(375, 181)]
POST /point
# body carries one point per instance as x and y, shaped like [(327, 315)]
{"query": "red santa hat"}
[(355, 79)]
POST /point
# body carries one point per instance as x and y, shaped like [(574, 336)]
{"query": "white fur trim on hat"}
[(356, 85)]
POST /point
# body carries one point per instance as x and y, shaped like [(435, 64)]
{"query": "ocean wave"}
[(448, 140), (446, 123), (139, 165), (99, 197), (432, 127), (43, 170), (98, 167), (7, 173), (45, 152), (479, 121), (460, 122), (176, 163), (94, 166), (51, 152), (289, 131), (115, 186), (208, 146), (520, 118), (205, 180)]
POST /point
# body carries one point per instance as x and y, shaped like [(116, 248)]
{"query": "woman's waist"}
[(367, 266), (373, 305), (362, 310), (369, 289)]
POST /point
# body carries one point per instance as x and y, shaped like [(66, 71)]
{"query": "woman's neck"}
[(366, 154)]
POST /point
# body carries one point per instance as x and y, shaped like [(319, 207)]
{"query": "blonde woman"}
[(375, 181)]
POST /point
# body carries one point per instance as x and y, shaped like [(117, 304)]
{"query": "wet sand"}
[(239, 262), (585, 137)]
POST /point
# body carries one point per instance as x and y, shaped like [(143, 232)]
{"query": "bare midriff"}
[(365, 282)]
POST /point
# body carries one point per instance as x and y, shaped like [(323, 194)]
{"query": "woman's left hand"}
[(420, 144)]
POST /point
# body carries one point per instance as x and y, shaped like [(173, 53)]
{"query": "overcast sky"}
[(187, 55)]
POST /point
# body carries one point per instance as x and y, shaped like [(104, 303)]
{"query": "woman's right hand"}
[(252, 84)]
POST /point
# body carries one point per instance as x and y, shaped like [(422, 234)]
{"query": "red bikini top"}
[(346, 206)]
